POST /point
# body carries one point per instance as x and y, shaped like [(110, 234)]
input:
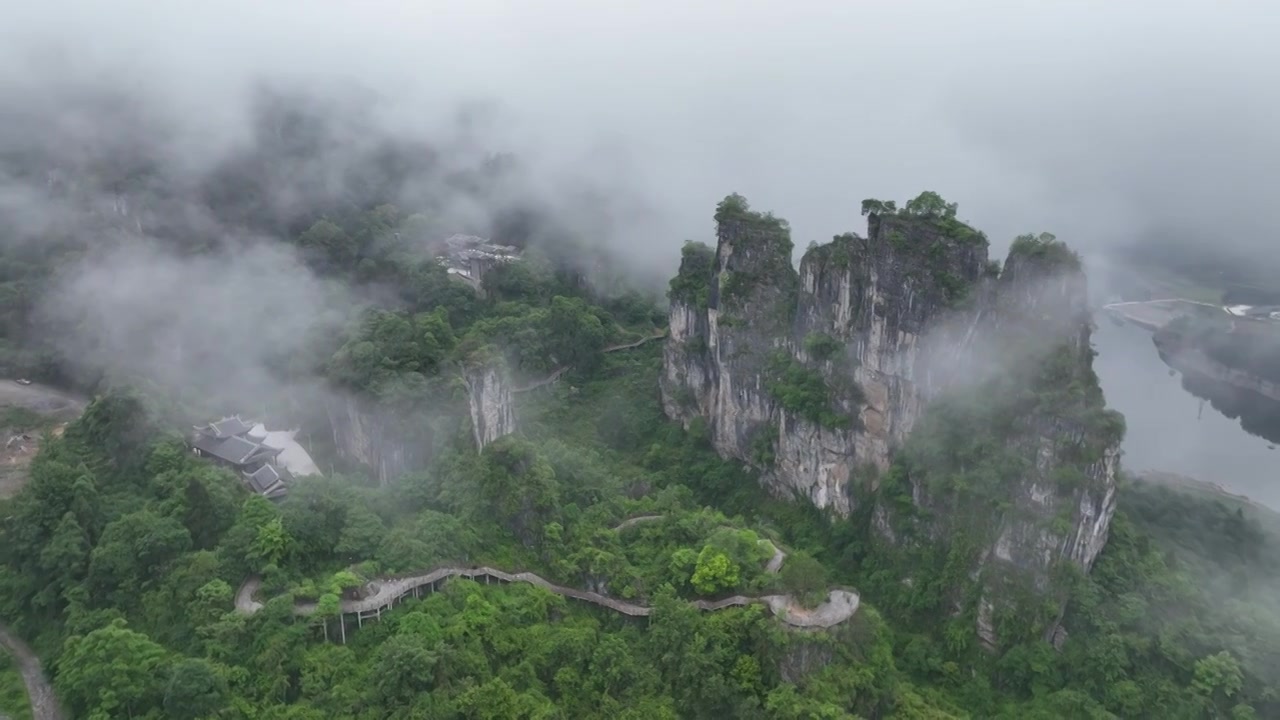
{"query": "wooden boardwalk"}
[(840, 604)]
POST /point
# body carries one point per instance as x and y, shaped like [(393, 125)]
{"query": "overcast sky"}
[(1096, 120)]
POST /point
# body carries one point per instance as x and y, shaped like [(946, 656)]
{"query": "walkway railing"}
[(840, 604)]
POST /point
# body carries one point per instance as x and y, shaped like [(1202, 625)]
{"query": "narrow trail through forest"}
[(44, 703), (839, 606)]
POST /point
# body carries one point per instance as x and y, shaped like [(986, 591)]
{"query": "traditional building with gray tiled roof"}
[(229, 442)]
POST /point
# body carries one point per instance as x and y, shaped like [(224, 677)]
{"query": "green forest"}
[(121, 559)]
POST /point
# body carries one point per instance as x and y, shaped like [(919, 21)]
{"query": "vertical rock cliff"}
[(723, 325), (904, 378), (1008, 480), (392, 440), (489, 399), (809, 376), (379, 438)]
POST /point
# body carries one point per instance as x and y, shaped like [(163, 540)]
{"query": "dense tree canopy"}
[(122, 558)]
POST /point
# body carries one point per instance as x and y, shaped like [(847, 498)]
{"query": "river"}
[(1172, 430)]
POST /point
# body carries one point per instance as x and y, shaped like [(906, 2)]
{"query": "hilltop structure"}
[(469, 257), (234, 443)]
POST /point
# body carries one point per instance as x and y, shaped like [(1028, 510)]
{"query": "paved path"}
[(627, 346), (554, 376), (775, 562), (44, 703), (632, 522), (295, 458), (42, 399), (56, 406)]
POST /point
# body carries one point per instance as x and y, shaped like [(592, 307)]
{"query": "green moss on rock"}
[(692, 284), (1046, 250), (803, 391)]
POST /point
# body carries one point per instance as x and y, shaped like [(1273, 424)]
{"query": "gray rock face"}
[(1034, 315), (374, 437), (391, 442), (875, 298), (492, 410), (891, 323), (726, 345)]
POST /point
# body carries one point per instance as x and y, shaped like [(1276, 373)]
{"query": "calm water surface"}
[(1170, 429)]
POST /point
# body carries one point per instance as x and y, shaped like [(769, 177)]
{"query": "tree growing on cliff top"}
[(1045, 247), (805, 578), (930, 204), (692, 283), (879, 207), (735, 209)]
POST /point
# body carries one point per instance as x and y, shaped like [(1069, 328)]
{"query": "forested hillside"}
[(123, 559), (124, 553)]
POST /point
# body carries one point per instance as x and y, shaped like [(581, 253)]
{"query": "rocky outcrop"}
[(824, 377), (391, 441), (1034, 331), (377, 438), (839, 344), (721, 330), (492, 410)]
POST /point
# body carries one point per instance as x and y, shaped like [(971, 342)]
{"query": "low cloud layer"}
[(1095, 120), (1105, 123), (217, 331)]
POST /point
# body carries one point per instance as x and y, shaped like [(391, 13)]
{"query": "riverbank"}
[(1172, 430)]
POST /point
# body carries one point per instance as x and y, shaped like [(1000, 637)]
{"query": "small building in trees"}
[(232, 443), (469, 257), (269, 480)]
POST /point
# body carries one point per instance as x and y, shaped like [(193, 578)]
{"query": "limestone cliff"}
[(824, 378), (489, 399), (377, 439), (722, 329), (1012, 465), (391, 441), (810, 376)]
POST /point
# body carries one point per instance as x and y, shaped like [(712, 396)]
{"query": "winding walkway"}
[(555, 374), (839, 606), (44, 703)]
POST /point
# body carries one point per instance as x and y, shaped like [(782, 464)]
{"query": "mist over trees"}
[(238, 207)]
